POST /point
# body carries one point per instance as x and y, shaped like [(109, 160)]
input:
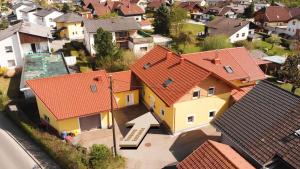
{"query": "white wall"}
[(136, 48), (292, 27), (40, 47), (233, 38), (14, 55), (49, 18), (138, 18), (18, 13)]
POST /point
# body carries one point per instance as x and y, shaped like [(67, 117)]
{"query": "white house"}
[(25, 10), (21, 39), (124, 32), (293, 27), (234, 29), (45, 17)]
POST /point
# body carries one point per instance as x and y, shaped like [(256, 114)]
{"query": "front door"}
[(33, 48), (129, 99)]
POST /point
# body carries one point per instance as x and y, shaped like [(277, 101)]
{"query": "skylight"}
[(147, 65), (167, 82), (93, 88), (228, 69)]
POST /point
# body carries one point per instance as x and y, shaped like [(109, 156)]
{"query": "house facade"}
[(21, 39), (69, 26), (293, 27), (89, 109), (45, 17)]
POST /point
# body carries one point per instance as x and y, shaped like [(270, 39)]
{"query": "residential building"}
[(194, 8), (185, 93), (124, 32), (45, 17), (153, 5), (293, 27), (20, 6), (213, 11), (212, 155), (264, 127), (18, 40), (234, 29), (128, 9), (69, 26), (260, 5), (79, 102), (27, 13)]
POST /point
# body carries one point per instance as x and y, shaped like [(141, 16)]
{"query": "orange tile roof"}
[(145, 22), (239, 59), (131, 9), (237, 94), (122, 81), (184, 74), (214, 155), (70, 95)]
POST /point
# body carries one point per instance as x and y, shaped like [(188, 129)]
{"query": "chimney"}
[(97, 78), (168, 55), (217, 60), (181, 59)]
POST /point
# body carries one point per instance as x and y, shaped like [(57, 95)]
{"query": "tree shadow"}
[(13, 91), (189, 141)]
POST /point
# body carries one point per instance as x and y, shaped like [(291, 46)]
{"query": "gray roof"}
[(44, 12), (111, 25), (69, 17), (27, 28), (30, 8), (275, 59)]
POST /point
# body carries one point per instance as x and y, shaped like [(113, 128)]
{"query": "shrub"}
[(248, 45), (3, 70), (99, 155), (285, 43)]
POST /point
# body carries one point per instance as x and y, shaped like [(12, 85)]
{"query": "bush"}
[(99, 155), (3, 70), (285, 43), (248, 45)]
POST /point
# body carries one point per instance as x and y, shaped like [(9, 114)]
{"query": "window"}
[(143, 48), (196, 94), (73, 33), (167, 82), (211, 91), (243, 34), (190, 119), (8, 49), (228, 69), (212, 114), (294, 22), (11, 63), (47, 118), (50, 19), (237, 35), (162, 112)]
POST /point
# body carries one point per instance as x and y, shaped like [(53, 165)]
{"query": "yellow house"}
[(79, 102), (69, 26), (181, 92)]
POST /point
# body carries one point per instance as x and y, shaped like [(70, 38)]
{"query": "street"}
[(12, 155)]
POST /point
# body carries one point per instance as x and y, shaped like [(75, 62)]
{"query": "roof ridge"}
[(211, 50)]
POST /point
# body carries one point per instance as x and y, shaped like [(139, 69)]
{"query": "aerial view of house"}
[(150, 84)]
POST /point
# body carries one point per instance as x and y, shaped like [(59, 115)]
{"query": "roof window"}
[(93, 88), (167, 82), (147, 65), (228, 69)]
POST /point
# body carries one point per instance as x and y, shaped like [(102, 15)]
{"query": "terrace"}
[(141, 37), (41, 65)]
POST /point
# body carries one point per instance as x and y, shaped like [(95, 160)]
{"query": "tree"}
[(184, 38), (108, 55), (178, 16), (274, 40), (4, 24), (290, 71), (249, 11), (162, 20), (216, 42), (65, 8)]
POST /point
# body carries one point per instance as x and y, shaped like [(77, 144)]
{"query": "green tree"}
[(99, 156), (290, 71), (4, 24), (274, 40), (178, 16), (216, 42), (184, 38), (249, 11), (108, 54), (65, 8), (162, 20)]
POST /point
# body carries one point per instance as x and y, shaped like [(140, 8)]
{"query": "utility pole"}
[(112, 115)]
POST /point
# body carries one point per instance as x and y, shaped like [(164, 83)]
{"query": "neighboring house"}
[(214, 155), (213, 11), (80, 102), (293, 27), (264, 127), (69, 25), (153, 5), (260, 5), (18, 40), (45, 17), (216, 2), (130, 10), (124, 32), (234, 29), (27, 13), (20, 6), (187, 91), (194, 8)]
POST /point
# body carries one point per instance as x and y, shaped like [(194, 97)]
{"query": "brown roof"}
[(276, 14), (224, 11), (214, 155), (71, 95), (131, 9), (263, 124), (155, 3), (190, 5), (295, 12), (226, 26)]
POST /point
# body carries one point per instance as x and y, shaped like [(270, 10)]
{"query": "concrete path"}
[(13, 155)]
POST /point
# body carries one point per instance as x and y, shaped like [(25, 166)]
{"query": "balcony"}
[(141, 37)]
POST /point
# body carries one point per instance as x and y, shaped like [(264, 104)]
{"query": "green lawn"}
[(194, 28), (288, 87), (266, 47)]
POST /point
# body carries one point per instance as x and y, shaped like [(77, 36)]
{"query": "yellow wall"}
[(240, 83), (122, 97), (71, 28), (71, 124)]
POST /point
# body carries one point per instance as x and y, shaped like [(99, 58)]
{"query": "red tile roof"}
[(239, 59), (69, 96), (277, 14), (122, 81), (165, 65), (237, 94), (131, 9), (145, 22), (214, 155)]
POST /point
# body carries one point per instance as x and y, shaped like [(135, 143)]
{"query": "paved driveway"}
[(158, 149)]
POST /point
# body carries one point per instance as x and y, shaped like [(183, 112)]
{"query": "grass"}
[(266, 47), (4, 85), (189, 48), (193, 28), (288, 87)]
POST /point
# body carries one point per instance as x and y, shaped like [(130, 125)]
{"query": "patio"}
[(158, 149)]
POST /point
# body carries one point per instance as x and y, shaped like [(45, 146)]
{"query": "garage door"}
[(90, 122)]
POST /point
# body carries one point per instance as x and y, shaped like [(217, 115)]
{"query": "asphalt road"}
[(12, 155)]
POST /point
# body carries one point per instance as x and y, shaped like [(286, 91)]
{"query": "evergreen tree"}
[(162, 20), (65, 8), (249, 11)]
